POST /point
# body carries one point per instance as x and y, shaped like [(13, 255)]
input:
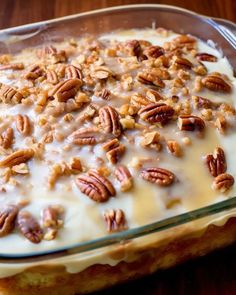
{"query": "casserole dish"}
[(107, 260)]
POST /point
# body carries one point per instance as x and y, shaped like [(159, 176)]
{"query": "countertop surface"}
[(212, 275)]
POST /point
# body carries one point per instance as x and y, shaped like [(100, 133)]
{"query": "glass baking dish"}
[(132, 241)]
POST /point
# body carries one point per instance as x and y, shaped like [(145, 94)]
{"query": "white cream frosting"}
[(144, 204)]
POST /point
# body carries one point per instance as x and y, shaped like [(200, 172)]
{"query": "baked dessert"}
[(100, 135)]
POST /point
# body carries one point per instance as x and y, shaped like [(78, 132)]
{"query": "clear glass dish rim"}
[(133, 233)]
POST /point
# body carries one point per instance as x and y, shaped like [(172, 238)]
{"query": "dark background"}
[(211, 275)]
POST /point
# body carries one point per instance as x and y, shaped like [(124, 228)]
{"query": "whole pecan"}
[(216, 82), (154, 51), (23, 124), (95, 186), (9, 95), (65, 89), (181, 63), (51, 77), (29, 227), (115, 220), (156, 112), (17, 157), (124, 177), (109, 120), (85, 136), (6, 138), (72, 72), (206, 57), (223, 182), (159, 176), (8, 216), (216, 162), (148, 78), (34, 72), (190, 123), (114, 150)]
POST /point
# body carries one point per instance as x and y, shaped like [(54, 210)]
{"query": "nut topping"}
[(154, 51), (109, 120), (174, 148), (150, 79), (85, 136), (23, 124), (223, 182), (206, 57), (29, 227), (51, 216), (182, 63), (8, 216), (72, 72), (216, 82), (158, 176), (216, 163), (156, 113), (9, 95), (95, 186), (114, 150), (6, 138), (34, 72), (65, 89), (51, 76), (14, 67), (124, 177), (115, 220), (190, 123), (16, 158)]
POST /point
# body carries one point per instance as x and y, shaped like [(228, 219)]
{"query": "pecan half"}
[(23, 124), (51, 77), (150, 79), (190, 123), (109, 120), (184, 41), (115, 220), (133, 48), (8, 216), (65, 89), (9, 95), (216, 162), (6, 138), (29, 227), (105, 94), (223, 182), (95, 186), (72, 72), (114, 150), (181, 63), (203, 103), (156, 112), (124, 177), (158, 176), (51, 55), (174, 148), (206, 57), (16, 158), (34, 72), (15, 67), (85, 136), (153, 51), (216, 82), (52, 216)]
